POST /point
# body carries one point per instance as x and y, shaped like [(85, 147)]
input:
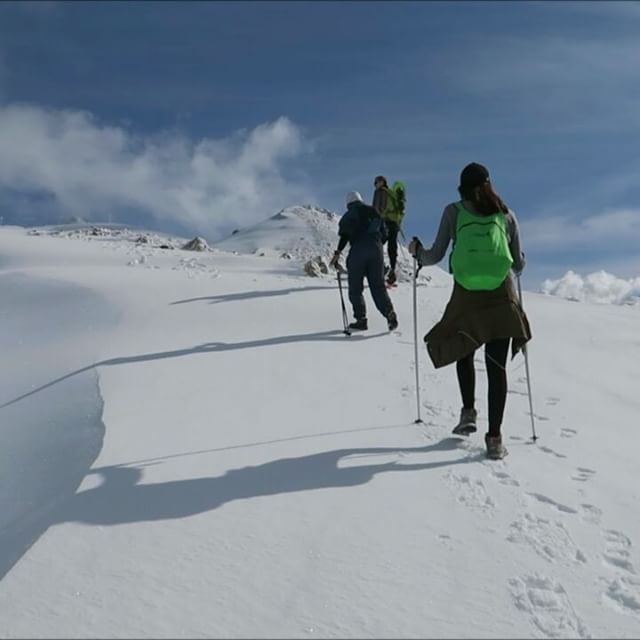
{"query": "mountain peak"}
[(301, 231), (305, 212), (304, 232)]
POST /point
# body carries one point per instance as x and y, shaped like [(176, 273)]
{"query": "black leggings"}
[(495, 358), (392, 243)]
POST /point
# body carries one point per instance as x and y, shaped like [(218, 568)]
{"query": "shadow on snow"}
[(207, 347), (120, 498)]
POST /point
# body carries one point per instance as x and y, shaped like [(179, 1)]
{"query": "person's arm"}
[(344, 229), (438, 249), (514, 245), (342, 243), (380, 200)]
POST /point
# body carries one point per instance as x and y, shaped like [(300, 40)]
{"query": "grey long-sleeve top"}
[(447, 233)]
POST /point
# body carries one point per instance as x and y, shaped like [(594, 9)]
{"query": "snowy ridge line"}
[(109, 232), (299, 234)]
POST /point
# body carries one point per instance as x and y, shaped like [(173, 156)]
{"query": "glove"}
[(335, 260), (414, 245)]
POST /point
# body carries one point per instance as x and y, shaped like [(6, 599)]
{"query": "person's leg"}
[(392, 245), (356, 269), (467, 381), (375, 278), (495, 354)]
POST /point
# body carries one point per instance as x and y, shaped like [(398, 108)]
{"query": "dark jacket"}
[(361, 223), (380, 199)]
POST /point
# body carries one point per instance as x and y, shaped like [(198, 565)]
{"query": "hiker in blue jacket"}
[(363, 228)]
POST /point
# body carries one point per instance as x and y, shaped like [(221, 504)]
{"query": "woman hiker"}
[(484, 307)]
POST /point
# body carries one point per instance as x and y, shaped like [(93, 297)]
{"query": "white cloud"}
[(600, 287), (92, 169), (617, 229)]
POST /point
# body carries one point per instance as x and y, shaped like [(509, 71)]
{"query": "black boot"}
[(359, 325), (392, 320)]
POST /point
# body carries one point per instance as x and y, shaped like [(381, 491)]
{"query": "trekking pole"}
[(344, 310), (415, 335), (526, 364), (404, 240)]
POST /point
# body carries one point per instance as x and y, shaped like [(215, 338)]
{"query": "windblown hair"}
[(484, 198)]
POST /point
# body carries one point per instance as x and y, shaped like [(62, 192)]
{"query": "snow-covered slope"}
[(305, 232), (301, 232), (198, 451)]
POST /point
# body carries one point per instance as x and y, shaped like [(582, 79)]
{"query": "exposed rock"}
[(316, 267), (197, 244)]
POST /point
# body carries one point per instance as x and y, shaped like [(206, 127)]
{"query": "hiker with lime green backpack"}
[(484, 308), (389, 202)]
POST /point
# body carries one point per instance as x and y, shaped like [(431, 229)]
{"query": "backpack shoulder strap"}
[(459, 212)]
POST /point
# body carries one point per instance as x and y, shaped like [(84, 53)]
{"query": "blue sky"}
[(205, 116)]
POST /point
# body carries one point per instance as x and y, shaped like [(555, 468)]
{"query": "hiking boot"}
[(359, 325), (467, 423), (391, 277), (495, 449), (392, 320)]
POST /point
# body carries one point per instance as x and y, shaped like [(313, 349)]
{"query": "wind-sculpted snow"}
[(49, 438), (260, 474)]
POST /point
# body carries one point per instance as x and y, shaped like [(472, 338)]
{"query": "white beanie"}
[(353, 196)]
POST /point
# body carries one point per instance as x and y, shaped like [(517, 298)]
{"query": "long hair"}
[(484, 198)]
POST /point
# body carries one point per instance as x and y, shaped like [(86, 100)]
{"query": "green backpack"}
[(481, 258), (396, 202)]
